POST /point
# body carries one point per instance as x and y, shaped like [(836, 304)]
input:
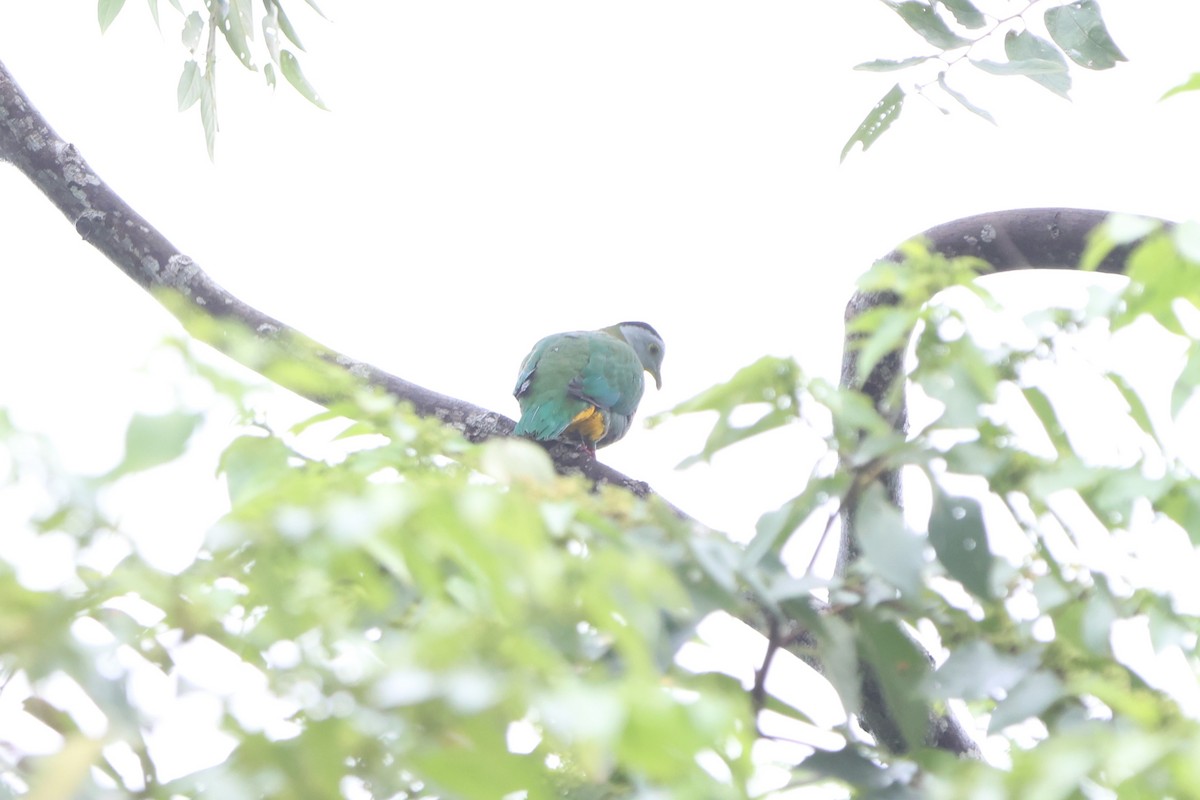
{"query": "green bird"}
[(584, 386)]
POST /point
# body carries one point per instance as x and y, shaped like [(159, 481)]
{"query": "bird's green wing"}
[(547, 407)]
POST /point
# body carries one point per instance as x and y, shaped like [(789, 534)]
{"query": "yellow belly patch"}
[(588, 424)]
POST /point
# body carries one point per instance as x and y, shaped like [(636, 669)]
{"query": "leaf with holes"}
[(878, 120), (290, 66)]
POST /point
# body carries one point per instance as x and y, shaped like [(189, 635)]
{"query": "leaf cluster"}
[(231, 23), (960, 32)]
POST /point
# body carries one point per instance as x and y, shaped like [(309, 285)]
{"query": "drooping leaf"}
[(107, 11), (962, 100), (886, 65), (925, 20), (285, 25), (236, 22), (902, 669), (965, 13), (1137, 408), (878, 120), (1079, 30), (1023, 47), (290, 67), (208, 111), (191, 85)]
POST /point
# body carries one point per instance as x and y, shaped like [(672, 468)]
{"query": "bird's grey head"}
[(648, 345)]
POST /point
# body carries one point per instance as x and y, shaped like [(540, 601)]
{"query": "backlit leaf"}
[(1079, 30)]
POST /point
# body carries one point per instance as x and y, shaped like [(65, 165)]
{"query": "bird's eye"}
[(654, 349)]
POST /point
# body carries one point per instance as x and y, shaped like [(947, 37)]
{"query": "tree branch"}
[(135, 246)]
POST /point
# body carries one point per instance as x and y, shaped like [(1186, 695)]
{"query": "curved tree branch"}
[(1018, 239), (107, 222)]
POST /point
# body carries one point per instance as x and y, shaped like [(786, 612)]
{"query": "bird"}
[(584, 386)]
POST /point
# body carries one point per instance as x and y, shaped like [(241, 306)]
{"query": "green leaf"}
[(1117, 230), (769, 385), (1029, 698), (1079, 30), (208, 112), (270, 29), (958, 537), (1024, 47), (775, 527), (253, 465), (191, 85), (849, 766), (1027, 67), (962, 99), (839, 652), (878, 120), (1192, 84), (107, 11), (885, 65), (1137, 409), (154, 13), (155, 439), (285, 25), (1188, 380), (965, 13), (316, 8), (236, 24), (902, 670), (1158, 277), (193, 29), (889, 548), (1182, 504), (924, 20), (889, 328), (291, 70), (976, 671)]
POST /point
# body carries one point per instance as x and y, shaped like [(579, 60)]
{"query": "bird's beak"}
[(657, 379)]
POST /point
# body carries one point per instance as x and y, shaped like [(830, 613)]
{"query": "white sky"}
[(493, 172)]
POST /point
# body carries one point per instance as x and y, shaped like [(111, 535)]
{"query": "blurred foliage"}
[(385, 610)]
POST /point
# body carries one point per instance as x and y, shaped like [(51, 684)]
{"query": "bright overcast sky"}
[(495, 171)]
